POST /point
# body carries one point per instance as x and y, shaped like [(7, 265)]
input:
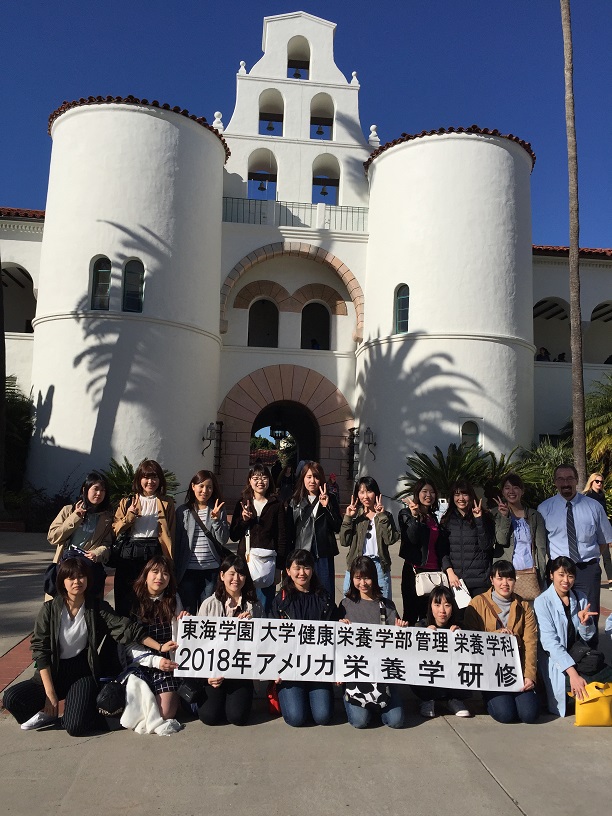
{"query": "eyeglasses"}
[(259, 479), (597, 481)]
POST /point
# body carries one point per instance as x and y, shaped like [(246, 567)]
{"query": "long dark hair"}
[(93, 478), (198, 478), (240, 565), (461, 486), (164, 609), (423, 510), (257, 470), (302, 558), (363, 567), (300, 490), (438, 594)]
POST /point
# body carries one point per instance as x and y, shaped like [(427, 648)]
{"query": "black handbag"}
[(191, 690), (588, 661), (112, 697)]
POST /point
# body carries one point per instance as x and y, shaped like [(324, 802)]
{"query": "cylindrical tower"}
[(448, 319), (126, 335)]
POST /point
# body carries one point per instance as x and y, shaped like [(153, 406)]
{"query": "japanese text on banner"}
[(322, 651)]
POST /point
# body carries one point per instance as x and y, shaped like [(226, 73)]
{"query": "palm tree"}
[(460, 462), (538, 466), (599, 423), (578, 415)]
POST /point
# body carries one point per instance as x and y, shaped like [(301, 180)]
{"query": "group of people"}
[(170, 562)]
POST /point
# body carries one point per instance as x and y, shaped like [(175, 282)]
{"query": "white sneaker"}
[(38, 721), (457, 707), (427, 709)]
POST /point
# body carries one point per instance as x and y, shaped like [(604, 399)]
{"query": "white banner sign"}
[(262, 649)]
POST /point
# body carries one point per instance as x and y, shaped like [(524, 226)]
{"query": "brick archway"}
[(299, 250), (278, 383)]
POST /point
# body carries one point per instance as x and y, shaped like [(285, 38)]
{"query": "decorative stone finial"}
[(354, 80), (218, 124), (373, 138), (242, 69)]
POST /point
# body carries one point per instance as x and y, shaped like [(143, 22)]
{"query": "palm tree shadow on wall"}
[(433, 396), (118, 366)]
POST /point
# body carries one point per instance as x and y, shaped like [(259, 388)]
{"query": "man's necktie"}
[(572, 541)]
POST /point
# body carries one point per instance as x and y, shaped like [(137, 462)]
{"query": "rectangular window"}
[(100, 290), (133, 286)]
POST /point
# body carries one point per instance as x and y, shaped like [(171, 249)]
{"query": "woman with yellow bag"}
[(566, 625)]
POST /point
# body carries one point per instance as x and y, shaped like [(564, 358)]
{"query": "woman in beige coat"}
[(86, 525), (144, 525)]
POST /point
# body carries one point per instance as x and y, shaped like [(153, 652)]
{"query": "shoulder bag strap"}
[(206, 532)]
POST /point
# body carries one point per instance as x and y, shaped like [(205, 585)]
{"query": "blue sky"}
[(422, 64)]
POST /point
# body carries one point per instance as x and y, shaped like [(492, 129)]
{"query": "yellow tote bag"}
[(596, 709)]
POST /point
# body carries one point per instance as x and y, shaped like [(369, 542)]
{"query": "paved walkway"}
[(465, 767)]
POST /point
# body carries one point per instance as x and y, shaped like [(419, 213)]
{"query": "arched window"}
[(315, 327), (402, 303), (262, 175), (133, 286), (551, 329), (325, 179), (271, 113), (322, 117), (298, 58), (100, 284), (470, 433), (263, 324), (19, 300)]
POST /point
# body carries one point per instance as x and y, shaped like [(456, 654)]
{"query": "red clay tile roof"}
[(406, 137), (132, 100), (563, 252), (15, 212)]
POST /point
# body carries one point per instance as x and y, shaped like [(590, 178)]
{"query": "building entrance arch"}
[(310, 406)]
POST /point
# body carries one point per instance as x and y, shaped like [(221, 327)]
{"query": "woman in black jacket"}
[(303, 598), (424, 545), (471, 538), (313, 519), (258, 524)]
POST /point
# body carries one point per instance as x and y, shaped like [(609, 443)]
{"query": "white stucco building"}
[(283, 269)]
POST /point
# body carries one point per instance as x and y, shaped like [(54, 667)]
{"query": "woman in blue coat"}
[(563, 615)]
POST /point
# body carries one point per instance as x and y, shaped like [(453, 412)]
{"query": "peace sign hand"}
[(323, 496), (351, 509), (477, 509), (246, 513), (502, 507), (584, 614), (214, 513), (379, 506), (413, 507)]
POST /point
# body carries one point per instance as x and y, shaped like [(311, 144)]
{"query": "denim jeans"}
[(508, 706), (265, 596), (324, 568), (393, 716), (299, 702), (197, 585), (384, 579)]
